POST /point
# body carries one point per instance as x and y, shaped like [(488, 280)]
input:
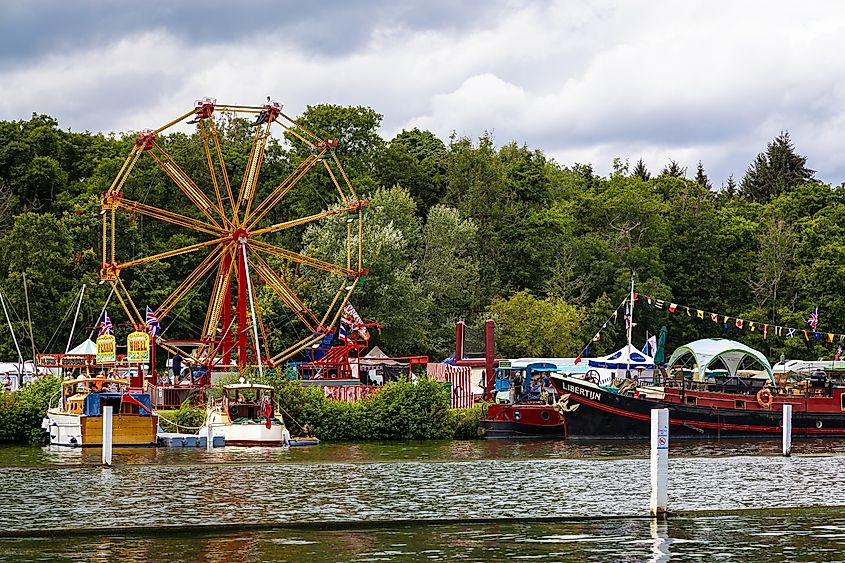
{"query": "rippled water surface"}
[(228, 504)]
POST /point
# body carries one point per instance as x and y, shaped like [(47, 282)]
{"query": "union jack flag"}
[(813, 321), (106, 326), (153, 327)]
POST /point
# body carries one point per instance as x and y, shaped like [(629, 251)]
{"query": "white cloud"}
[(583, 81)]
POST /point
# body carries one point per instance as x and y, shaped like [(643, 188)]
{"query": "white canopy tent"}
[(617, 364), (88, 347), (731, 353)]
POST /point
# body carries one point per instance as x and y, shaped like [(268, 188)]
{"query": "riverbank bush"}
[(186, 419), (466, 423), (401, 410), (21, 412)]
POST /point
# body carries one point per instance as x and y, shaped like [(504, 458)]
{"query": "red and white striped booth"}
[(459, 377)]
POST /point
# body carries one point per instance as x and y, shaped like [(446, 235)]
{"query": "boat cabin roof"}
[(94, 380)]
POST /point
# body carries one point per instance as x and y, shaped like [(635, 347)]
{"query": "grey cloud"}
[(34, 28)]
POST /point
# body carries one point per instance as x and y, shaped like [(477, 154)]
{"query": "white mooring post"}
[(659, 462), (787, 430), (209, 440), (107, 437)]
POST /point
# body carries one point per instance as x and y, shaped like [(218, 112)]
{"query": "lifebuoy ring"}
[(764, 398)]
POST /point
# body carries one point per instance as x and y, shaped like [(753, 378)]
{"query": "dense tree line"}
[(459, 230)]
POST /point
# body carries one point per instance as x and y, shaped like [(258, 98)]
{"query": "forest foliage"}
[(463, 229)]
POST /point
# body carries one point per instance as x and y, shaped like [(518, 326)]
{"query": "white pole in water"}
[(659, 462), (107, 435), (787, 430), (252, 308)]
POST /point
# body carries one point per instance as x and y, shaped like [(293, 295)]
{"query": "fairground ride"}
[(236, 230)]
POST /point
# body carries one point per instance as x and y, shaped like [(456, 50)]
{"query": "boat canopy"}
[(620, 360), (731, 353)]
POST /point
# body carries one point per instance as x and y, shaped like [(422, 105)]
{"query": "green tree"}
[(527, 326), (777, 170), (641, 172)]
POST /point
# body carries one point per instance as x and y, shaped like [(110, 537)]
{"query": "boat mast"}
[(100, 316), (29, 320), (630, 324), (76, 316), (12, 330)]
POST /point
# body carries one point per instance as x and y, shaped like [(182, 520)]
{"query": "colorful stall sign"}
[(106, 349), (138, 347)]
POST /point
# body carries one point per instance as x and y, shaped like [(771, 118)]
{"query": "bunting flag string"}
[(741, 324), (597, 337)]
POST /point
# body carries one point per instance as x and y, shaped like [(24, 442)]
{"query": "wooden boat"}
[(738, 410), (246, 416), (77, 420)]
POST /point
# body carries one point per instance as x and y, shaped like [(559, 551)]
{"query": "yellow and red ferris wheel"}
[(236, 228)]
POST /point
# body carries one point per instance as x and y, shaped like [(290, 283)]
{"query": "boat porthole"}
[(544, 415), (818, 424), (517, 415)]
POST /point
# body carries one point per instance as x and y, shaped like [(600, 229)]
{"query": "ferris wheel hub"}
[(240, 235)]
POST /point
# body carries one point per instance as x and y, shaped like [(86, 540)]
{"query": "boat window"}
[(544, 415), (691, 400), (739, 404)]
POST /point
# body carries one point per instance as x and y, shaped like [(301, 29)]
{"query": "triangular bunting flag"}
[(658, 303), (751, 325), (739, 323), (672, 307), (806, 335), (790, 332), (765, 331), (700, 313), (829, 337), (714, 317), (687, 310)]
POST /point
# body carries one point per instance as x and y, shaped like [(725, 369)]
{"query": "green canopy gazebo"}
[(730, 352)]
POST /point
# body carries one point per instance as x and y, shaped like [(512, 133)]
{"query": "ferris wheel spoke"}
[(175, 121), (210, 161), (127, 167), (299, 130), (302, 221), (280, 191), (217, 300), (345, 177), (189, 282), (169, 216), (301, 258), (122, 297), (296, 348), (184, 182), (223, 172), (171, 253), (334, 181), (280, 288), (256, 156)]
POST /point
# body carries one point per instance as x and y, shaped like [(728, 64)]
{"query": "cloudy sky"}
[(585, 81)]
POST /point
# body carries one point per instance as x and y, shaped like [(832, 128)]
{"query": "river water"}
[(470, 501)]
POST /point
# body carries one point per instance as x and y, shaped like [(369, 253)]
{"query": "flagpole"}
[(630, 325)]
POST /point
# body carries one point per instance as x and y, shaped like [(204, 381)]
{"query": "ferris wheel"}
[(238, 246)]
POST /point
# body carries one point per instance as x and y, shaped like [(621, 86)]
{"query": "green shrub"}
[(21, 412), (466, 422), (186, 419), (401, 410)]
